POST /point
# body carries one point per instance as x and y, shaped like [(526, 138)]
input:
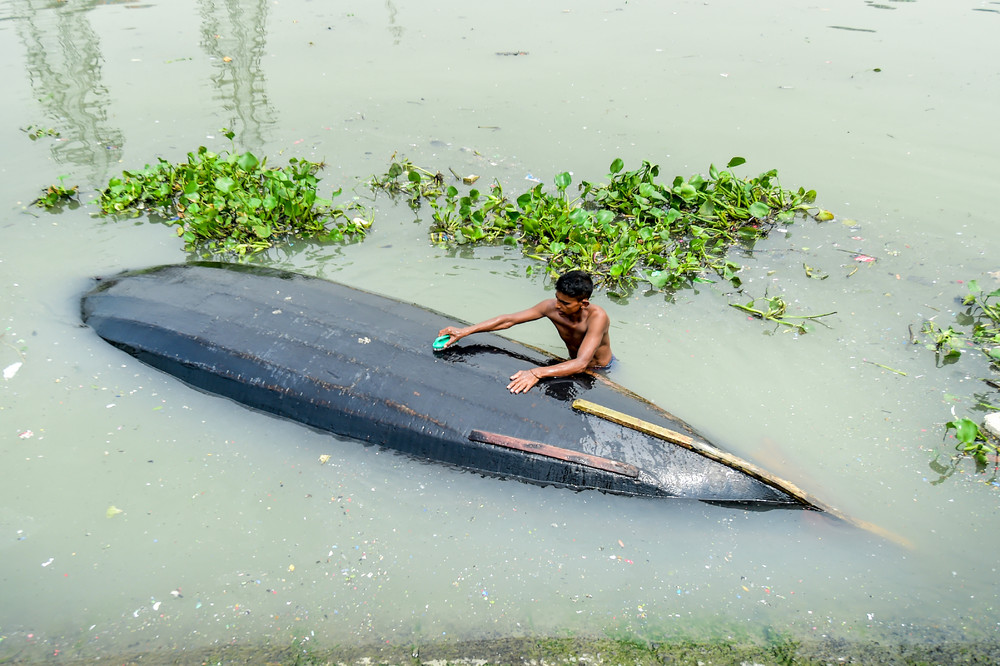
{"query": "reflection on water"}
[(234, 34), (879, 5), (64, 65), (395, 29), (63, 62)]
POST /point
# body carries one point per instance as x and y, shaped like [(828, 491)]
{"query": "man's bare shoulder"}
[(598, 315), (548, 307)]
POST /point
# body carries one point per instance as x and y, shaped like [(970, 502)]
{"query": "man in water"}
[(582, 325)]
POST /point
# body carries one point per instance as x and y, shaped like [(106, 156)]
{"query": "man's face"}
[(569, 306)]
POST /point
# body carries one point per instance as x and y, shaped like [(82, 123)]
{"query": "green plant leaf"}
[(225, 184), (248, 161), (686, 191), (966, 430), (604, 216)]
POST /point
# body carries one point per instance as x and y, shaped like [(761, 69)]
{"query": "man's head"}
[(575, 284), (572, 291)]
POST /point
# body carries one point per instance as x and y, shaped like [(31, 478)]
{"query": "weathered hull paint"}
[(361, 366)]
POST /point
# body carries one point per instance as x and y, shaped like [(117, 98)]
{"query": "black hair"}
[(575, 284)]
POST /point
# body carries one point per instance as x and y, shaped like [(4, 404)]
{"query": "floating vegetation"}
[(971, 440), (943, 342), (234, 203), (886, 367), (635, 227), (34, 133), (419, 182), (982, 315), (56, 195), (775, 310)]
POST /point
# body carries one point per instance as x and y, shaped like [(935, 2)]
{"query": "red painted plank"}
[(549, 451)]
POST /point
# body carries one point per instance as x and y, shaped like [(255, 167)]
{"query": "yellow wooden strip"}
[(687, 442), (704, 449), (632, 422)]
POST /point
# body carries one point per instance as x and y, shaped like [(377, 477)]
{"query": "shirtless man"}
[(581, 325)]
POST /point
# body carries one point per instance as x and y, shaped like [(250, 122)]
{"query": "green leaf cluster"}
[(35, 132), (233, 203), (984, 314), (633, 227), (971, 440), (944, 342), (55, 195), (405, 179)]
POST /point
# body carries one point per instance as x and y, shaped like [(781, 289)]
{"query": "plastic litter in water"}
[(11, 370)]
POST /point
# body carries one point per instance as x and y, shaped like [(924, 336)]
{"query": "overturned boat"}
[(361, 365)]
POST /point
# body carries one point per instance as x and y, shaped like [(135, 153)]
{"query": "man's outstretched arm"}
[(498, 323)]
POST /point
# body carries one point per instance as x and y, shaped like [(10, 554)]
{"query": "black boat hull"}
[(361, 365)]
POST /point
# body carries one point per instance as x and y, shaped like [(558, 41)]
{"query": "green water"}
[(231, 529)]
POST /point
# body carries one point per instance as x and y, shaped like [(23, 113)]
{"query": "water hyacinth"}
[(632, 228)]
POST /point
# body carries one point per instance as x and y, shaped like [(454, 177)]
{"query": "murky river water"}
[(231, 530)]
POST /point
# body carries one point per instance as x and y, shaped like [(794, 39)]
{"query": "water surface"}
[(231, 529)]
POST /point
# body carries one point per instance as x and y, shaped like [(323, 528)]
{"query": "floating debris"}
[(468, 180), (844, 27)]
